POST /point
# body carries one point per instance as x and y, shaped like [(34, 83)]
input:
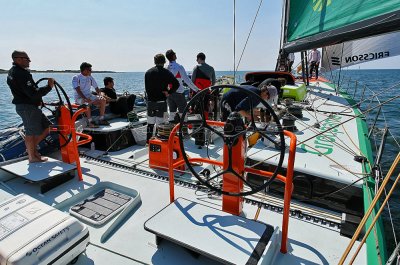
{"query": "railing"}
[(369, 211), (372, 108)]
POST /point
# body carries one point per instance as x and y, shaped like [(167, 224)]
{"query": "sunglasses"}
[(27, 58)]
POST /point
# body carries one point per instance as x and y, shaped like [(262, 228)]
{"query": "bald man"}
[(27, 100)]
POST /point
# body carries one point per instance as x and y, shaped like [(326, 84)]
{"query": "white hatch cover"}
[(36, 172), (221, 236)]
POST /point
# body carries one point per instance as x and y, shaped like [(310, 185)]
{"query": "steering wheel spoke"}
[(197, 103)]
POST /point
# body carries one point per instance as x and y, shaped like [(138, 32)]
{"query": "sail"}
[(360, 51), (318, 23)]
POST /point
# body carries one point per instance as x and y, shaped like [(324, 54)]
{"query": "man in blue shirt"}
[(239, 101)]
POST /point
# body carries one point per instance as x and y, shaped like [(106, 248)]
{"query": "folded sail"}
[(360, 51), (319, 23)]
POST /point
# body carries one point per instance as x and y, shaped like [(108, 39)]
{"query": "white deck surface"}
[(309, 242), (116, 125), (338, 147), (228, 238), (38, 171)]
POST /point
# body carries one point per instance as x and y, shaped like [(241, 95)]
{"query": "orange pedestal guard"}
[(158, 153), (66, 129), (231, 183)]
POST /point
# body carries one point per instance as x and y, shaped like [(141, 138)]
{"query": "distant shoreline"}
[(2, 71)]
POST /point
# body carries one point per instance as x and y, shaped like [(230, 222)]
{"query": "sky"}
[(124, 35)]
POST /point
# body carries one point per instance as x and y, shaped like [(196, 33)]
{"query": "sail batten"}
[(318, 23)]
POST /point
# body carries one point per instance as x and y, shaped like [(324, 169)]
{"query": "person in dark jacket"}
[(27, 98), (240, 101), (118, 105), (156, 82), (203, 76)]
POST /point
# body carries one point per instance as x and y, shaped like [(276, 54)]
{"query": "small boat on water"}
[(297, 184)]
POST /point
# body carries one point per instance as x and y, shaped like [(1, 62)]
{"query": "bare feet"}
[(35, 160), (38, 158)]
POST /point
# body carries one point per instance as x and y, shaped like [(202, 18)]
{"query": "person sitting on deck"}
[(82, 84), (118, 105), (238, 100)]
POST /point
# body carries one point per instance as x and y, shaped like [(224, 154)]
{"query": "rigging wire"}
[(248, 36), (234, 41), (331, 128)]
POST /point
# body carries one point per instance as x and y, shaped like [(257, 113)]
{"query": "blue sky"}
[(124, 35)]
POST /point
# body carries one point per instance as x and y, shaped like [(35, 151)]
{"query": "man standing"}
[(314, 58), (27, 100), (82, 85), (118, 105), (156, 82), (177, 101), (290, 59), (203, 76)]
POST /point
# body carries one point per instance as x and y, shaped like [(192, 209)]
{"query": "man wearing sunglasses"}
[(27, 97), (82, 85)]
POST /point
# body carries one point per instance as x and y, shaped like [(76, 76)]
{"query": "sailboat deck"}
[(327, 150), (310, 241)]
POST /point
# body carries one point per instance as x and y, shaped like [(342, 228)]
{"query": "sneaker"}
[(92, 125), (104, 122)]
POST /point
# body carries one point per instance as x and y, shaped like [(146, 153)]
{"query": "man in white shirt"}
[(176, 101), (82, 85), (290, 59), (314, 58)]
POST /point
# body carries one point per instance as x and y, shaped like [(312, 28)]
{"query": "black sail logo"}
[(335, 61), (366, 57)]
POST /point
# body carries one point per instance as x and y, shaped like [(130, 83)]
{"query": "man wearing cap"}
[(27, 100), (82, 85), (156, 82), (177, 101), (239, 101)]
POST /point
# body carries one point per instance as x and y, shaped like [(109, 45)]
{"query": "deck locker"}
[(32, 232)]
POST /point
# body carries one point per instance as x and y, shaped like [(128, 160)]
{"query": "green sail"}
[(347, 19)]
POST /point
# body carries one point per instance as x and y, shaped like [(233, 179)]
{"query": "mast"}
[(281, 62), (234, 41)]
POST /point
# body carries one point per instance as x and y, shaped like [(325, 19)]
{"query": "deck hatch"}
[(101, 206), (226, 238)]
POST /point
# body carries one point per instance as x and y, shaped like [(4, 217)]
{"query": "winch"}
[(158, 148), (288, 123)]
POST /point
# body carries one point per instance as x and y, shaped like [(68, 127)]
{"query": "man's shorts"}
[(81, 101), (156, 110), (176, 101), (35, 122)]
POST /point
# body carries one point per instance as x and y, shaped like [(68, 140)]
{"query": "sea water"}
[(375, 80)]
